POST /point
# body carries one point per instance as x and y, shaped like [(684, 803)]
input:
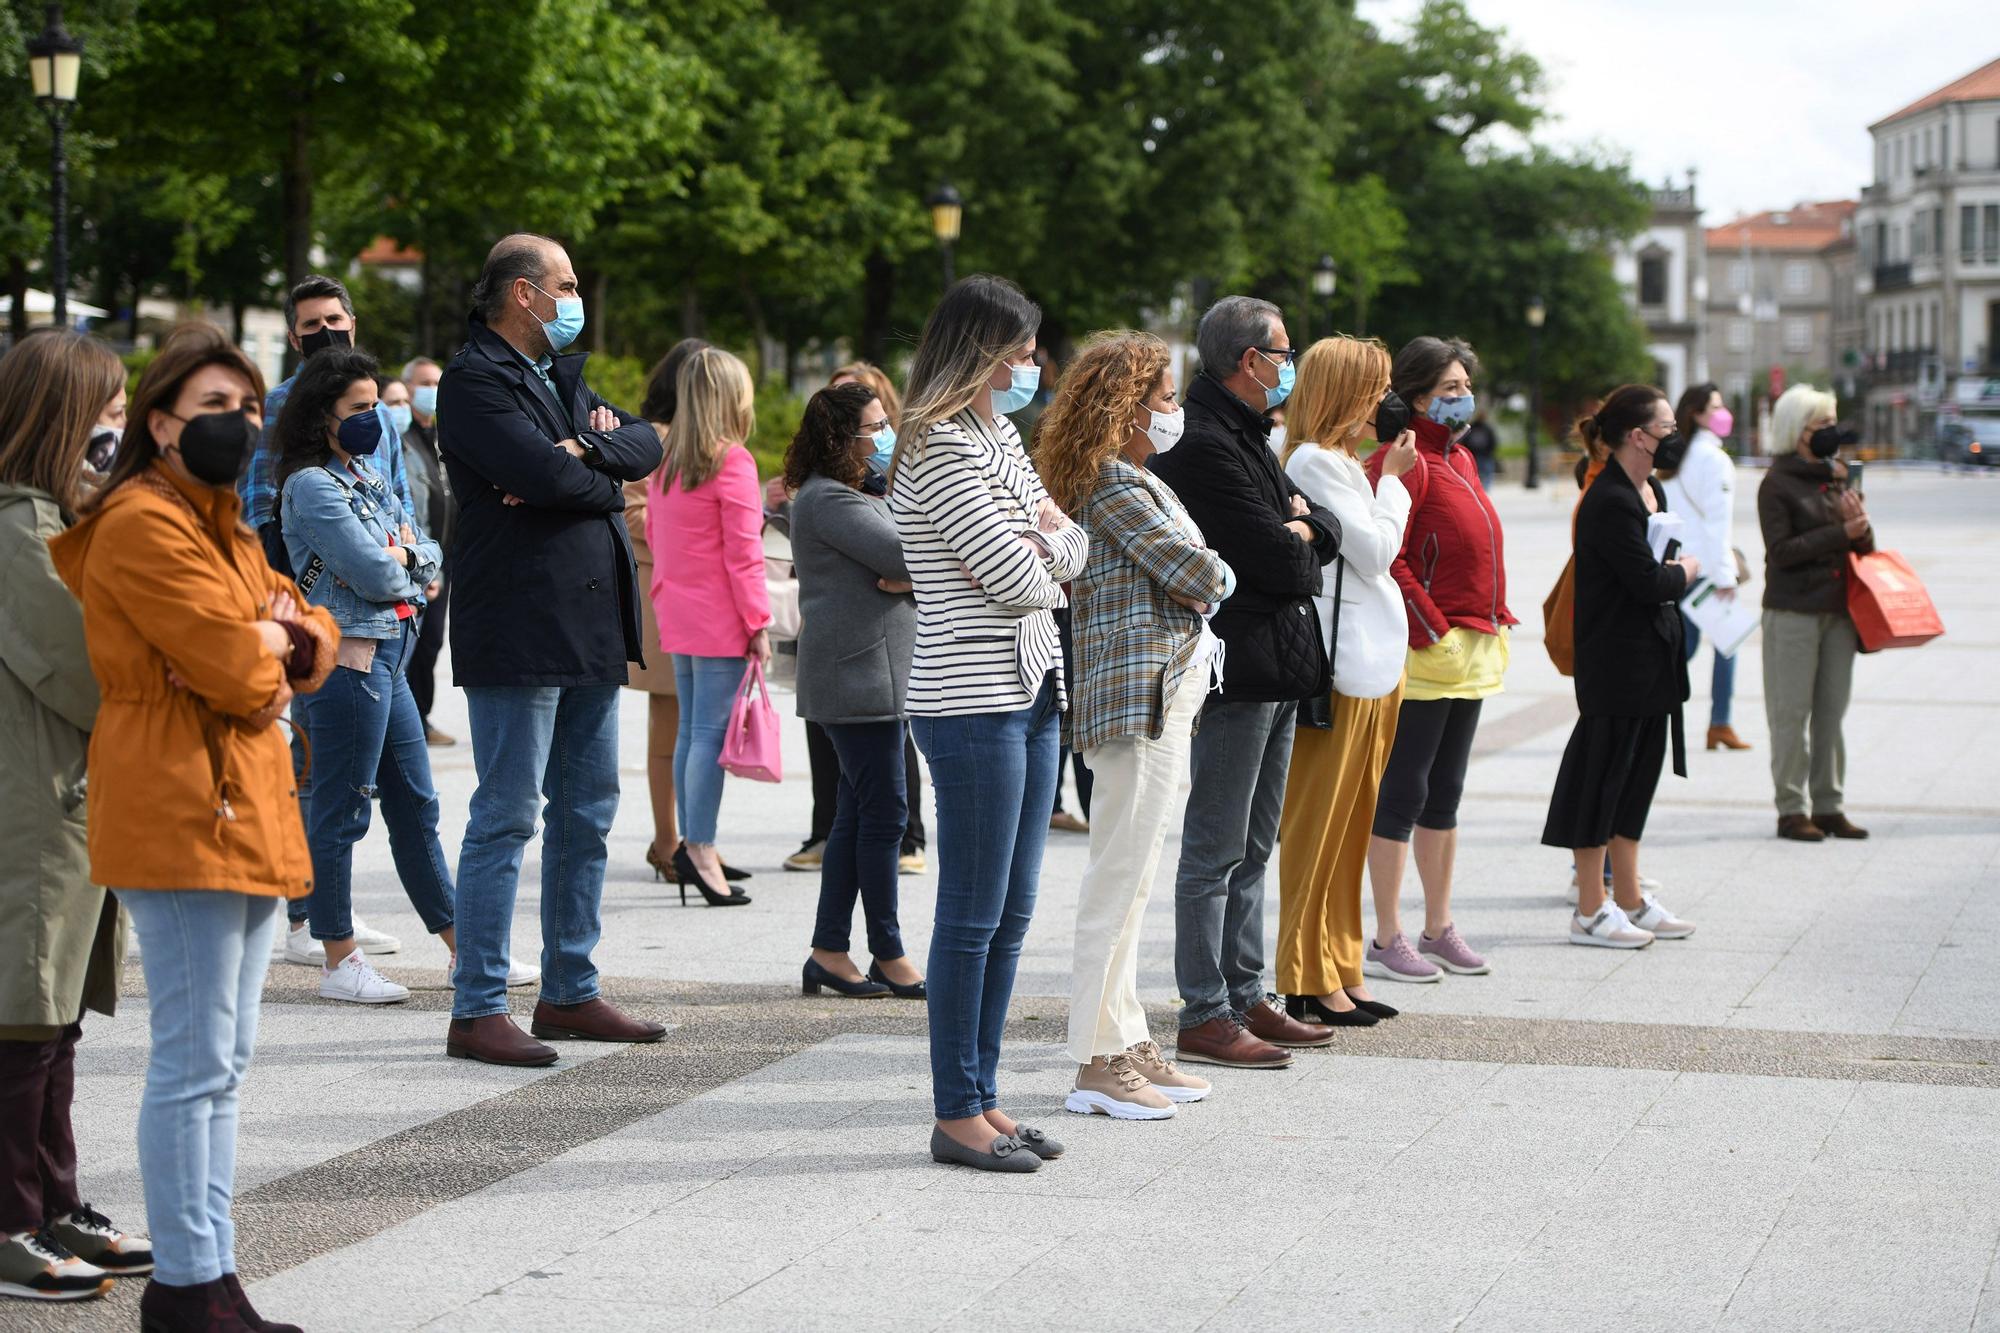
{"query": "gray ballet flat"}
[(1036, 1142), (1007, 1154)]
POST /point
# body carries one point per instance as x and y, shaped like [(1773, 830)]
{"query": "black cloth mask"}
[(1824, 442), (216, 446), (1670, 453), (321, 339)]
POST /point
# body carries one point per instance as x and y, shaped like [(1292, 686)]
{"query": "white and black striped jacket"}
[(965, 499)]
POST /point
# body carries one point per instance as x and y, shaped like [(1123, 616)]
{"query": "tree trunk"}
[(17, 288), (691, 320), (593, 284), (878, 297), (760, 331), (426, 308), (237, 309), (132, 320)]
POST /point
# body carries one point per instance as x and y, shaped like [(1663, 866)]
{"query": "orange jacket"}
[(190, 787)]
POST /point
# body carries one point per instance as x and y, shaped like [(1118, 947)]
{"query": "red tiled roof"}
[(1804, 227), (383, 250), (1983, 83)]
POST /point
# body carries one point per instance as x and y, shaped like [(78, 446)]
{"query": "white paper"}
[(1724, 621), (1662, 528)]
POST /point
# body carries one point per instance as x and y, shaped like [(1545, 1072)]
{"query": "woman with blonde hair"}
[(1343, 742), (987, 551), (704, 525), (1144, 656)]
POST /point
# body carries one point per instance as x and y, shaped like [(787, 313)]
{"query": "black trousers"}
[(1081, 769), (825, 766), (862, 845), (1426, 772), (37, 1149), (430, 642)]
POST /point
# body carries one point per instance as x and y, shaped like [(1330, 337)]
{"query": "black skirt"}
[(1606, 784)]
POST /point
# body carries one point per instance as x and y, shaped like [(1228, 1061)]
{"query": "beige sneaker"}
[(1112, 1085), (1173, 1084)]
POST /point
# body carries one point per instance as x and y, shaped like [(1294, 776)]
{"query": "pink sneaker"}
[(1452, 953), (1397, 961)]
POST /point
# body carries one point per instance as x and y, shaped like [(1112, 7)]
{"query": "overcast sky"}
[(1770, 99)]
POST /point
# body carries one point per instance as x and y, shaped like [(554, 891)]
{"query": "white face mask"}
[(1278, 437), (1164, 430)]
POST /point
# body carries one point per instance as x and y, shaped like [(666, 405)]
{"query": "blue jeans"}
[(995, 777), (368, 740), (1721, 681), (1238, 764), (707, 687), (205, 952), (530, 744), (866, 839)]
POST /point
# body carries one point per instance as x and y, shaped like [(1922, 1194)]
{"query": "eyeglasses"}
[(1286, 354), (868, 432)]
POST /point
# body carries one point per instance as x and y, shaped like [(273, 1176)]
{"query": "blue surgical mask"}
[(1288, 375), (568, 323), (1020, 393), (399, 417), (361, 433), (885, 449), (424, 398), (1454, 414)]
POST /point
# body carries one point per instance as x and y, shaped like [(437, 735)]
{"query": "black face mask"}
[(216, 446), (324, 338), (1671, 453), (1392, 418), (1826, 441)]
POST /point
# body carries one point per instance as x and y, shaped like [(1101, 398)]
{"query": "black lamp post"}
[(1537, 313), (55, 59), (947, 212), (1326, 276)]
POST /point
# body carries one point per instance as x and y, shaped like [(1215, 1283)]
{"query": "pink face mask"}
[(1721, 422)]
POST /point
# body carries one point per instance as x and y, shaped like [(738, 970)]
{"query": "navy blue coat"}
[(544, 592)]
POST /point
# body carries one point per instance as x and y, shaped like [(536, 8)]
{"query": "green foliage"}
[(779, 412)]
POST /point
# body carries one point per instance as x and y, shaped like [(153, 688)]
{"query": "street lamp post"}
[(54, 60), (1326, 276), (1537, 313), (947, 212)]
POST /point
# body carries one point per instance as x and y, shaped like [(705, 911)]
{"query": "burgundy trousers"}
[(37, 1149)]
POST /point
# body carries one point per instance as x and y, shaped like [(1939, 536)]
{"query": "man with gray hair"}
[(545, 617), (1276, 540)]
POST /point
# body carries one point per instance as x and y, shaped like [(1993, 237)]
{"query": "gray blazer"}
[(855, 641)]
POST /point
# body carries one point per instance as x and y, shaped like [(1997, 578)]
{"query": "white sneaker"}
[(1609, 929), (301, 948), (1663, 924), (374, 941), (519, 974), (357, 982), (1647, 884)]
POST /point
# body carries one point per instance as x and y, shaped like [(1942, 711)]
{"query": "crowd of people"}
[(1269, 650)]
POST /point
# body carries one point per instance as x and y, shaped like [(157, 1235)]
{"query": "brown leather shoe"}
[(1725, 738), (1799, 829), (1272, 1024), (495, 1040), (593, 1020), (1838, 826), (1224, 1041)]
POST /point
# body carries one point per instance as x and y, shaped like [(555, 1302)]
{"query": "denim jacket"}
[(337, 532)]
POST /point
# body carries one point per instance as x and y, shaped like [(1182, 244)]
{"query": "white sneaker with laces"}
[(1663, 924), (301, 948), (1609, 929), (356, 981), (1647, 884), (374, 941)]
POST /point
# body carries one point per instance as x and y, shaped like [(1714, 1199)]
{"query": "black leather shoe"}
[(914, 991), (1375, 1007), (685, 870), (813, 977)]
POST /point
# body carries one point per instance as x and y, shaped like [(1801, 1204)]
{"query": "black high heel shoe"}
[(729, 872), (914, 991), (685, 870), (1375, 1007), (1308, 1009), (812, 977)]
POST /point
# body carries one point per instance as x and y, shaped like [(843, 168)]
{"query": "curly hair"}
[(1091, 417), (824, 445), (298, 437)]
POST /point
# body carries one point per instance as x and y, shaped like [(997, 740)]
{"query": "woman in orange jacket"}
[(197, 647)]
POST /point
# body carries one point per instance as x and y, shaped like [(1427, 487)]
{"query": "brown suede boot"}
[(1725, 738), (1799, 829), (1838, 826)]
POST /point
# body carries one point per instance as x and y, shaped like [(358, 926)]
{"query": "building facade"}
[(1928, 264), (1664, 271)]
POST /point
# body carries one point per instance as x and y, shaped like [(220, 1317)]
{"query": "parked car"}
[(1972, 441)]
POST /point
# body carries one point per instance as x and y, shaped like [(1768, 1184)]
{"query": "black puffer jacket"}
[(1805, 538), (1224, 472)]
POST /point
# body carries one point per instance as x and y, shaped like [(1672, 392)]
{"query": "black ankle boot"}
[(203, 1308), (248, 1312)]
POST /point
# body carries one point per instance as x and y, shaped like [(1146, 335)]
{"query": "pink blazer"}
[(708, 561)]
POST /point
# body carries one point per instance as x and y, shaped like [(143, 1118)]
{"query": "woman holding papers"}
[(1700, 481), (1631, 676)]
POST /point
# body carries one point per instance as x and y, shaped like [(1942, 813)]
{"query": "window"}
[(1937, 232), (1902, 328), (1968, 232), (1798, 277), (1899, 157), (1928, 157), (1735, 386), (1739, 276), (1920, 233), (1798, 333), (1652, 280), (1739, 335), (1990, 249)]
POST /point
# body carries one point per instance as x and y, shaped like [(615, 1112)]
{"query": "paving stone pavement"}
[(1789, 1121)]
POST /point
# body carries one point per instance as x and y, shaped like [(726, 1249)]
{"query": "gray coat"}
[(855, 641)]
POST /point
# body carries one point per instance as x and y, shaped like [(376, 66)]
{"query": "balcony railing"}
[(1891, 277)]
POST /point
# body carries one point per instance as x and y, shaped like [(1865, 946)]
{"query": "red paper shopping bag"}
[(1888, 603)]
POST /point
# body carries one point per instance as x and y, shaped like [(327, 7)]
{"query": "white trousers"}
[(1138, 792)]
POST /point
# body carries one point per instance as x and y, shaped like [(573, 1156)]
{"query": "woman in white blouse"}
[(1343, 742), (1701, 488), (987, 552)]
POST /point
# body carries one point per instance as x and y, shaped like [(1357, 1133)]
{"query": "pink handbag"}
[(750, 750)]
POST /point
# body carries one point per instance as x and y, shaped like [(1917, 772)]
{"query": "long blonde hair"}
[(1091, 417), (872, 375), (980, 323), (1341, 382), (717, 407)]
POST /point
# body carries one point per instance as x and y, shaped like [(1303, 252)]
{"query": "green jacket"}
[(62, 938)]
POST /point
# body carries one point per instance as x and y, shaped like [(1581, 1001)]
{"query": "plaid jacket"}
[(1133, 641)]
